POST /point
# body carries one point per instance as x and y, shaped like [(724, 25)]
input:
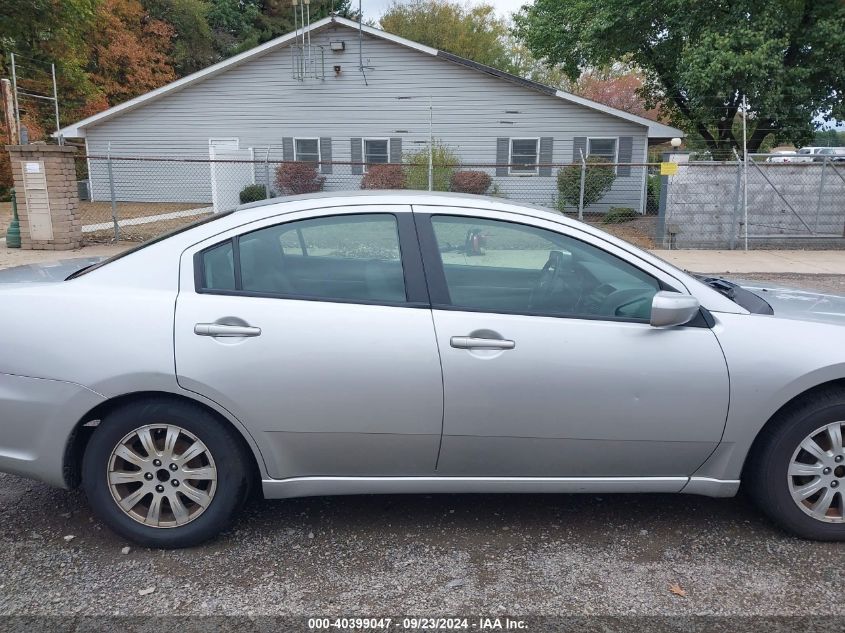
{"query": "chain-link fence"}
[(770, 201), (700, 204), (137, 198)]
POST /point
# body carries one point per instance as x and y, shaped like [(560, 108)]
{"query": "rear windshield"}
[(155, 240)]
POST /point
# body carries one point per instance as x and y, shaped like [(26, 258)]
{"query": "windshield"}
[(805, 150), (155, 240)]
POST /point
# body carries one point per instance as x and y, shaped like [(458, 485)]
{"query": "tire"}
[(768, 474), (172, 502)]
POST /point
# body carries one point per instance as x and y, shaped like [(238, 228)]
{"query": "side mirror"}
[(673, 308)]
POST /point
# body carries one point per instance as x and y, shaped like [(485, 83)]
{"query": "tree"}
[(130, 55), (618, 88), (474, 32), (443, 164), (700, 58), (193, 42)]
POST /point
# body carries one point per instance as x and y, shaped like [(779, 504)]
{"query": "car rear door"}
[(315, 330), (562, 377)]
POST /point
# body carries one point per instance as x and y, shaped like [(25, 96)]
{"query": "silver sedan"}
[(404, 342)]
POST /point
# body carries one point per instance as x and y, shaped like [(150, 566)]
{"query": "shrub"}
[(384, 177), (477, 182), (298, 177), (652, 204), (252, 193), (618, 215), (598, 180), (443, 160)]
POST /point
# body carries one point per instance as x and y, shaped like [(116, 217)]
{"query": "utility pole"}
[(9, 112), (745, 168)]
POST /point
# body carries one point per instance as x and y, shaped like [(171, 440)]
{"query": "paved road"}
[(433, 555)]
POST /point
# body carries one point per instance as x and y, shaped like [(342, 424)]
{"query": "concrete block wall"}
[(60, 175), (786, 203)]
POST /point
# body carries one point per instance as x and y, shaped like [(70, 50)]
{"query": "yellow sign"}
[(668, 169)]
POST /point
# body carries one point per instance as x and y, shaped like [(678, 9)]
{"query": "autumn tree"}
[(193, 41), (474, 32), (617, 88), (130, 55), (699, 59)]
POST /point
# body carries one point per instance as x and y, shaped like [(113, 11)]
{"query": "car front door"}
[(550, 366), (314, 330)]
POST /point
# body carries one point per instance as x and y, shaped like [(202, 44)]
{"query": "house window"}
[(524, 155), (602, 147), (306, 150), (376, 150)]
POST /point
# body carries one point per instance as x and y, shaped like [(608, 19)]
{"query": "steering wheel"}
[(555, 288)]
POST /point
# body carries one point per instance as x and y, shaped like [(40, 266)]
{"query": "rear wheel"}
[(797, 473), (165, 473)]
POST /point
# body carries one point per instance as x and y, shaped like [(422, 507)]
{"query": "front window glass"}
[(500, 266)]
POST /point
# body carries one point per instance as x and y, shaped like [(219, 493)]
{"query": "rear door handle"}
[(218, 329), (471, 342)]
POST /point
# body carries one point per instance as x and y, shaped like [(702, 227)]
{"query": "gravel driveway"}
[(482, 555)]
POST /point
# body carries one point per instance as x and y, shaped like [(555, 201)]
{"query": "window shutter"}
[(579, 144), (287, 148), (547, 144), (356, 157), (395, 150), (625, 152), (325, 155), (503, 154)]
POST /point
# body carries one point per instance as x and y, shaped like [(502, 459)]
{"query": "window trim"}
[(308, 138), (615, 140), (439, 289), (410, 258), (364, 150), (524, 172)]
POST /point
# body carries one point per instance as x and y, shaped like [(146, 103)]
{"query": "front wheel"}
[(797, 472), (164, 473)]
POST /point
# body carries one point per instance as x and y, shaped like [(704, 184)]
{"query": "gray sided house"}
[(337, 93)]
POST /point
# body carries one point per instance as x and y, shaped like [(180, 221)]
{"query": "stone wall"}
[(48, 202)]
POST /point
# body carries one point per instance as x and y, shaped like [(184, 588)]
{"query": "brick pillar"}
[(48, 202)]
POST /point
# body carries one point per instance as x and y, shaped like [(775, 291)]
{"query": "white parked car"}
[(782, 156)]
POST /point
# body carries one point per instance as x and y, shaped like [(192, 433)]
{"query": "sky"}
[(373, 9)]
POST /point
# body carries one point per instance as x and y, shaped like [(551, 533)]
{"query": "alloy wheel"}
[(816, 475), (162, 476)]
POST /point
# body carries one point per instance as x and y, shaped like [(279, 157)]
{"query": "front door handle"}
[(472, 342), (219, 329)]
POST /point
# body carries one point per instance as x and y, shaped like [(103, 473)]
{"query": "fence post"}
[(581, 190), (821, 193), (113, 199), (737, 199), (267, 172)]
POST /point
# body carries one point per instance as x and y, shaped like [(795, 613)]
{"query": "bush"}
[(298, 177), (252, 193), (598, 180), (618, 215), (443, 160), (477, 182), (384, 177), (652, 203)]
